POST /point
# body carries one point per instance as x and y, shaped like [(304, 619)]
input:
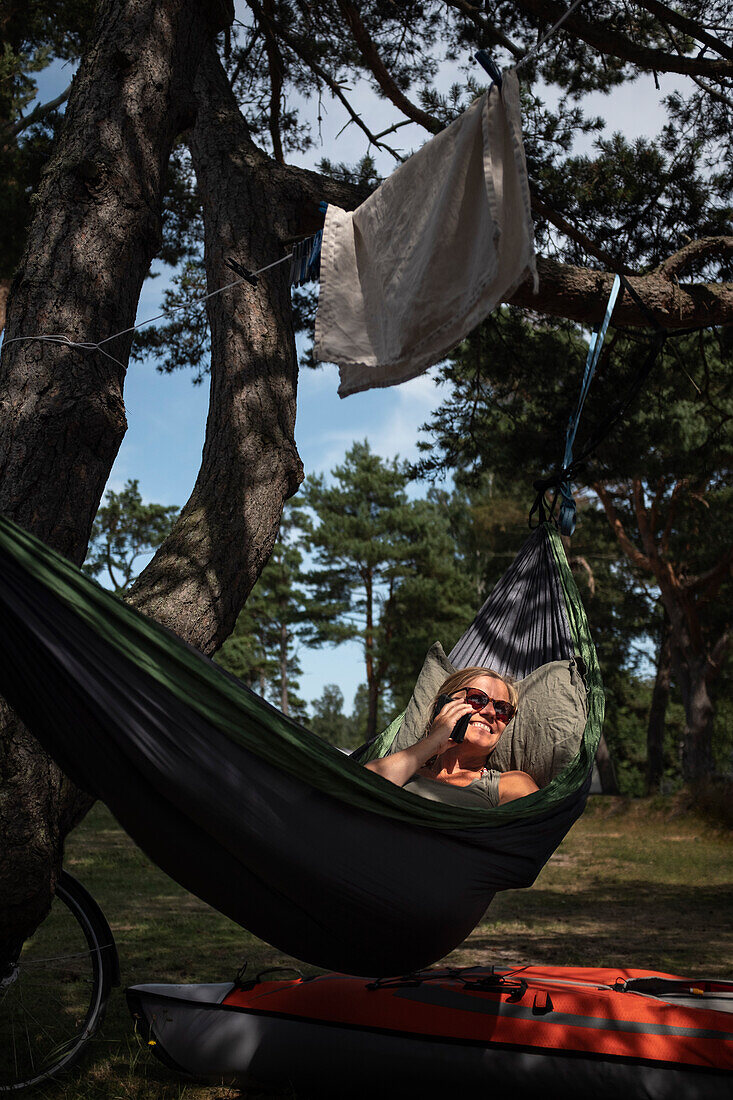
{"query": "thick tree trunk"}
[(200, 577), (4, 292), (95, 230), (658, 709)]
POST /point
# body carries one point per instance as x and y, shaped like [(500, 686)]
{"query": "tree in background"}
[(663, 476), (261, 649), (329, 721), (126, 529), (384, 572)]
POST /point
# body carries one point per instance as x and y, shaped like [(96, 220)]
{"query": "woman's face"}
[(486, 727)]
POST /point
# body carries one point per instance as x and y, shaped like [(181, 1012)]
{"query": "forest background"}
[(84, 214)]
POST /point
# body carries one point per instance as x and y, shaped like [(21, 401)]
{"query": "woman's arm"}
[(515, 785), (400, 767)]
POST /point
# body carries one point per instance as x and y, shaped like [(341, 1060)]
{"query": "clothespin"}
[(304, 263), (487, 62), (243, 272)]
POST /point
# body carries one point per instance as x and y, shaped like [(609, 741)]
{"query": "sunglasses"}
[(479, 699)]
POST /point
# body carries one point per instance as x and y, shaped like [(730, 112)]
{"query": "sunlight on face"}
[(485, 727)]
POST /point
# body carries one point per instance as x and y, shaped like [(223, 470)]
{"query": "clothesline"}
[(66, 341)]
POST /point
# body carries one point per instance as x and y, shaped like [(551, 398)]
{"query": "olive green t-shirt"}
[(482, 792)]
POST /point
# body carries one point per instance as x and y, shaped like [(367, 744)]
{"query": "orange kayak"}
[(553, 1031)]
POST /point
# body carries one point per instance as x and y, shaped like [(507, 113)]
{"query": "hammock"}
[(242, 806)]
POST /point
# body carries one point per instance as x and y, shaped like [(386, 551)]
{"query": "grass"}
[(635, 884)]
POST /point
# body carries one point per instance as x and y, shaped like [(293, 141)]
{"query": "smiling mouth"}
[(485, 725)]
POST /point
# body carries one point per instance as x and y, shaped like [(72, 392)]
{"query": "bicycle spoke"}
[(55, 1000)]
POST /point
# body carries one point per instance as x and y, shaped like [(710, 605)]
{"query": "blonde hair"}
[(463, 677)]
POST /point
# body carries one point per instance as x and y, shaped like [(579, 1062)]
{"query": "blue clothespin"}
[(487, 62), (304, 263)]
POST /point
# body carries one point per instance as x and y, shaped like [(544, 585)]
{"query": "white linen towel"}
[(425, 258)]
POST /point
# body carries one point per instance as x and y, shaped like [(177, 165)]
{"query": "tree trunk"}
[(658, 709), (96, 228), (202, 574), (606, 770), (284, 704), (4, 292), (697, 745)]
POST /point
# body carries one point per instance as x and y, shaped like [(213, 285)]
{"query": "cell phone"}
[(459, 730)]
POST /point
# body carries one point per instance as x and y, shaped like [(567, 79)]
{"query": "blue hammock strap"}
[(567, 517), (561, 480)]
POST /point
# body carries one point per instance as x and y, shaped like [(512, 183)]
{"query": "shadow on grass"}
[(641, 924)]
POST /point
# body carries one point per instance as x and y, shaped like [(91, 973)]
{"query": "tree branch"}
[(671, 515), (38, 112), (579, 294), (297, 46), (380, 72), (610, 42), (707, 584), (690, 27), (478, 18), (275, 68), (695, 250), (717, 653), (577, 235), (201, 575), (632, 552)]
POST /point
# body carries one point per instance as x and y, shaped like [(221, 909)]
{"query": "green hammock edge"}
[(242, 716)]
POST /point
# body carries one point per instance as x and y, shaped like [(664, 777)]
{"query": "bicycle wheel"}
[(52, 1000)]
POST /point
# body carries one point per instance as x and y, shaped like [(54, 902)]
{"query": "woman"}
[(489, 701)]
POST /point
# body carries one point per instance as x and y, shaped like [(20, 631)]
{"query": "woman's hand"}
[(399, 767), (442, 726)]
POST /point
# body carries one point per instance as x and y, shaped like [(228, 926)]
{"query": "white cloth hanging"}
[(425, 258)]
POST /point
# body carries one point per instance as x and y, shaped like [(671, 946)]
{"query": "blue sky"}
[(167, 414)]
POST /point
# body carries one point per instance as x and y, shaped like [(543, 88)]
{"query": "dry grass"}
[(645, 883)]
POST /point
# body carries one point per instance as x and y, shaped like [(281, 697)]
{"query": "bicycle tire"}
[(52, 1002)]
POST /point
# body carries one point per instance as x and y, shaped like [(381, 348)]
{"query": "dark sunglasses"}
[(479, 699)]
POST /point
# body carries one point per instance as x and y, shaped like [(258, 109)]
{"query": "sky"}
[(167, 413)]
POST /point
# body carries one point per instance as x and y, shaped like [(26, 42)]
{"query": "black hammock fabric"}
[(245, 808)]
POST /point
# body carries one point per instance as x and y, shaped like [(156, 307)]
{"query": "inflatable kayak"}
[(561, 1032)]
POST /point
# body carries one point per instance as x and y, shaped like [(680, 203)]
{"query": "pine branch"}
[(380, 72), (575, 234), (610, 43), (298, 47), (695, 250), (632, 552), (690, 27), (488, 29), (36, 114), (276, 69)]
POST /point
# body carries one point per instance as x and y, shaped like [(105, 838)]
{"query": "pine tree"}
[(384, 572), (261, 649), (662, 476), (125, 530)]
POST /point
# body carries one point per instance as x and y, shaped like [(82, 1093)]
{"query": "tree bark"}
[(606, 770), (96, 228), (580, 294), (4, 292), (200, 577), (658, 709), (696, 654), (697, 745)]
